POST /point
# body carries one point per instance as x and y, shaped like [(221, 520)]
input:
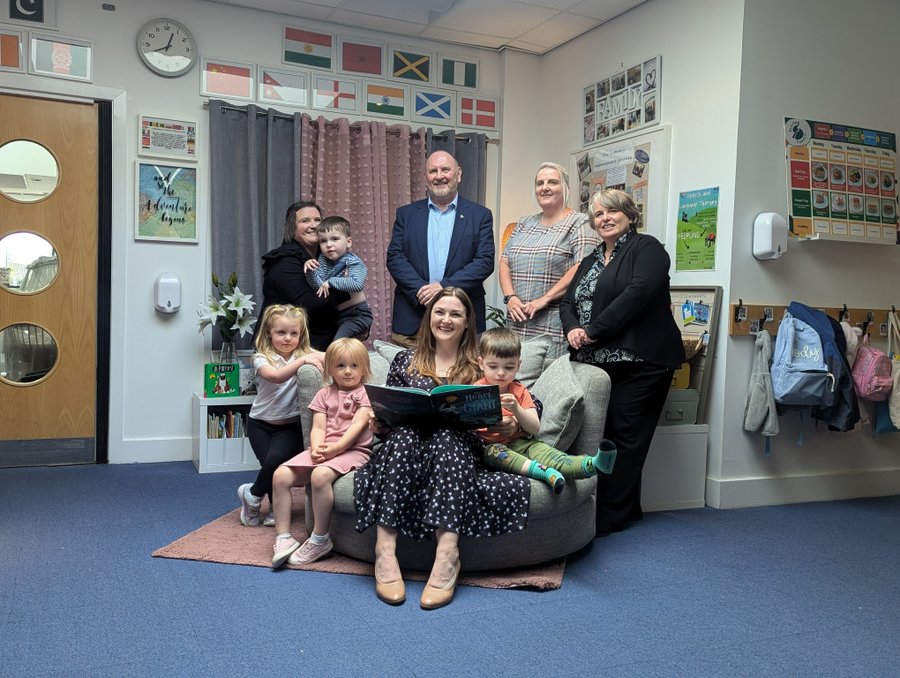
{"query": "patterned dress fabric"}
[(422, 479), (539, 255)]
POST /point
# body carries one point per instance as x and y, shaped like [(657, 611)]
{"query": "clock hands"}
[(168, 44)]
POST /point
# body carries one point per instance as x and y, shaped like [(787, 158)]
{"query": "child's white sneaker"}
[(249, 510), (310, 553), (284, 547)]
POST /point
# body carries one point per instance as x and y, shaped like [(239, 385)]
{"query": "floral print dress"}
[(423, 478)]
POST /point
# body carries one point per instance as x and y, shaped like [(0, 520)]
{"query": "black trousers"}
[(637, 399), (273, 444), (355, 322)]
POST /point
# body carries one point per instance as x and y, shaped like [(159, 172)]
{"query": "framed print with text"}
[(165, 138), (165, 202)]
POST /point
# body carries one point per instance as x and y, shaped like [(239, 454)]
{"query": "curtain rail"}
[(285, 116)]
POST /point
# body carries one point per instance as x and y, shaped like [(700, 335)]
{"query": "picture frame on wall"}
[(336, 93), (458, 72), (165, 202), (361, 57), (386, 99), (307, 49), (167, 138), (227, 79), (433, 106), (477, 111), (282, 87), (411, 65), (56, 56), (12, 51), (40, 14)]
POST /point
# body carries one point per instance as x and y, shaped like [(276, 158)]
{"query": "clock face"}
[(166, 47)]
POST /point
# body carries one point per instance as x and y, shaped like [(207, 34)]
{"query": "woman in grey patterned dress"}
[(426, 481), (540, 258)]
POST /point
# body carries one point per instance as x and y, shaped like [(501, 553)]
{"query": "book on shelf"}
[(451, 405), (221, 380), (228, 424)]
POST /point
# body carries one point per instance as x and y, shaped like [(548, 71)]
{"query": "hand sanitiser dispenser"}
[(167, 293), (770, 236)]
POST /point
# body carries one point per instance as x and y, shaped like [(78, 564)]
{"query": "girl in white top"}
[(282, 346), (340, 441)]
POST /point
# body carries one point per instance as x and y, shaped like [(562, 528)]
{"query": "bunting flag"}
[(283, 87), (61, 58), (475, 112), (459, 73), (333, 93), (386, 100), (436, 106), (227, 79), (361, 58), (10, 52), (411, 66), (306, 48)]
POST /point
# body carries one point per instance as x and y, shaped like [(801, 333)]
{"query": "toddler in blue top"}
[(337, 267)]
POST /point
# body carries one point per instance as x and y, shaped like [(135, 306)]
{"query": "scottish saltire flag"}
[(335, 93), (283, 87), (437, 106), (459, 73), (475, 112), (385, 100), (306, 48), (411, 66), (357, 57)]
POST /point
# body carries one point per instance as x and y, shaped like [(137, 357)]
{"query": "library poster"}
[(695, 228), (842, 181)]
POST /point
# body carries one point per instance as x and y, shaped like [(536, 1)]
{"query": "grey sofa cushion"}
[(534, 354), (563, 399)]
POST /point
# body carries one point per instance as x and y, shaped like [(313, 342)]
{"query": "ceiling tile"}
[(558, 30), (405, 10), (502, 18), (604, 9), (376, 23), (474, 39), (529, 46)]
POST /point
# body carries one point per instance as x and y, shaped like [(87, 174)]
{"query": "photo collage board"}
[(842, 181), (623, 102)]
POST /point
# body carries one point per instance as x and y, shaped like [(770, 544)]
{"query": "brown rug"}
[(225, 540)]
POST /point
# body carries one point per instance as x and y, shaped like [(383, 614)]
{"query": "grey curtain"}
[(254, 176), (470, 151)]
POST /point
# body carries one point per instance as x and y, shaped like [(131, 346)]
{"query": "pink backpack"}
[(871, 372)]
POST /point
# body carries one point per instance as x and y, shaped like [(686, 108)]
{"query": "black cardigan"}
[(632, 304)]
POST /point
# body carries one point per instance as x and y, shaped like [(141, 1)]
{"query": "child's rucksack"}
[(800, 377), (872, 373)]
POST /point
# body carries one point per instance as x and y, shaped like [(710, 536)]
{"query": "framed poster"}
[(696, 224), (12, 51), (229, 79), (165, 138), (55, 56), (39, 14), (410, 64), (361, 57), (165, 202), (637, 164), (282, 87), (625, 101), (301, 47)]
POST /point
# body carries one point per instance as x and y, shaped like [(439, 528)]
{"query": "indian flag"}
[(385, 100), (307, 48)]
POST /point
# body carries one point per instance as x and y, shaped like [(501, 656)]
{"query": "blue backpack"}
[(800, 377)]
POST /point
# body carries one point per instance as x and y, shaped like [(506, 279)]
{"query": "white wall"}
[(811, 59), (156, 361)]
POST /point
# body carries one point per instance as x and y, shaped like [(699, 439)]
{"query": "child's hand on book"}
[(508, 401)]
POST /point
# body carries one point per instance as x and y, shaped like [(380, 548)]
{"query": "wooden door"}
[(53, 418)]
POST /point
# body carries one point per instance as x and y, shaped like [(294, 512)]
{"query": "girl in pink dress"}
[(339, 442)]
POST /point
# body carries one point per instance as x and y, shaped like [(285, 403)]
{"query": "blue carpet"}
[(800, 590)]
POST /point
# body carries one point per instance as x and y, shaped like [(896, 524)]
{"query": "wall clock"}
[(167, 47)]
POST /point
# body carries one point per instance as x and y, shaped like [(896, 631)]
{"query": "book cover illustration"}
[(221, 380), (452, 405)]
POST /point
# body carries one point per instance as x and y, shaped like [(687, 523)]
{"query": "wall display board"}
[(842, 181), (622, 102), (166, 202), (637, 164)]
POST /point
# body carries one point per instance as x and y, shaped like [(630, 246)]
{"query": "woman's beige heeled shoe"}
[(434, 597), (390, 592)]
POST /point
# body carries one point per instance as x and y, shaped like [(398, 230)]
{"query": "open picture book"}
[(451, 405)]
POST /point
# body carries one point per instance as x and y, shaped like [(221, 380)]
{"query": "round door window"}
[(28, 171), (28, 263), (28, 353)]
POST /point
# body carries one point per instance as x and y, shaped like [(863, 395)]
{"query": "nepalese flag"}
[(478, 112), (335, 93), (306, 48), (228, 80), (10, 51), (359, 58), (411, 66), (459, 73), (434, 105), (286, 87), (385, 100), (62, 58)]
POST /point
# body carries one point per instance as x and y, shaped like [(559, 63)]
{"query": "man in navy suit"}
[(442, 241)]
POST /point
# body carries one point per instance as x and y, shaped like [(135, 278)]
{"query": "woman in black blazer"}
[(617, 315)]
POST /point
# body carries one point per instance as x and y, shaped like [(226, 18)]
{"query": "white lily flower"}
[(239, 302)]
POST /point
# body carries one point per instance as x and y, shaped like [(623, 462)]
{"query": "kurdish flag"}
[(385, 100), (306, 48), (459, 73)]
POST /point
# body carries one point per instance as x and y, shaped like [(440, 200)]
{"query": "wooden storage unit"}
[(214, 455)]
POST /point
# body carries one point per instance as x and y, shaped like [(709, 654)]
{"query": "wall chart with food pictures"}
[(638, 164), (622, 102), (842, 181)]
